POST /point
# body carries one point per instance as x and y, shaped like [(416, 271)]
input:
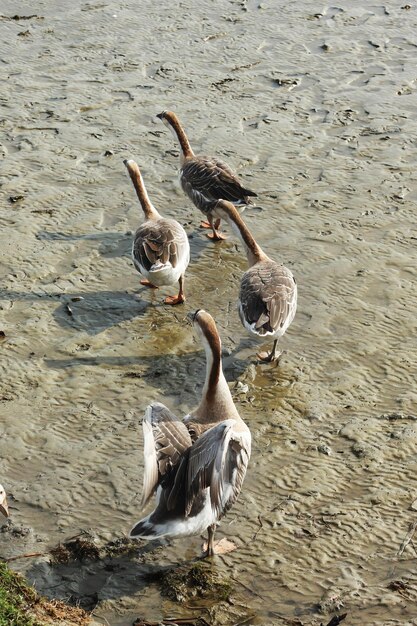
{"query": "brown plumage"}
[(267, 298), (196, 477), (268, 290), (205, 179), (157, 242), (160, 251)]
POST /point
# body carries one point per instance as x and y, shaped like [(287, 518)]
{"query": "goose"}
[(204, 178), (160, 251), (3, 502), (197, 465), (268, 290)]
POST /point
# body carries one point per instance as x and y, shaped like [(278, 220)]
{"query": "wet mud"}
[(315, 107)]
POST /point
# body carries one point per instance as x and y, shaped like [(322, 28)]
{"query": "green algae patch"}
[(16, 599), (199, 580), (20, 605)]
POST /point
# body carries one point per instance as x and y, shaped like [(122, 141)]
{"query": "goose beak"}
[(161, 115), (191, 317), (4, 508)]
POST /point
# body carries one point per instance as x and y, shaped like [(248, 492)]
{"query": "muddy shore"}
[(314, 106)]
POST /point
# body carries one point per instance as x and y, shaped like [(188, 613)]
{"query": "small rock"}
[(324, 449), (313, 416), (359, 450), (241, 387)]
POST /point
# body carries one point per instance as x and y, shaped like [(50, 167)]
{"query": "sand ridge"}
[(314, 106)]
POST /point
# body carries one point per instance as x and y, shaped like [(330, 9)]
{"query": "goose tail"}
[(143, 529)]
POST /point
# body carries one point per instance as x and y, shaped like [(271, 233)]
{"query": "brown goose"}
[(204, 179), (3, 502), (268, 291), (161, 251), (196, 466)]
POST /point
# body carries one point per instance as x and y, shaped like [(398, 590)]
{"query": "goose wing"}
[(268, 298), (213, 180), (166, 439), (218, 460), (160, 242)]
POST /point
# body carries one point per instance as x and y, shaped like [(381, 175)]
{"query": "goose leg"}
[(215, 235), (210, 542), (180, 298), (220, 547), (147, 283), (269, 357)]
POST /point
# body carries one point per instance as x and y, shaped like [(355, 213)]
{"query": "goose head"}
[(206, 329), (3, 502), (167, 117), (171, 120)]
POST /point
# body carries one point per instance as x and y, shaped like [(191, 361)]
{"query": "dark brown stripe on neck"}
[(139, 185), (182, 137), (216, 366), (256, 251)]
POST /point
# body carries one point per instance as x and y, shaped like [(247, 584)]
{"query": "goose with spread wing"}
[(197, 465), (268, 290), (3, 502), (205, 178), (161, 251)]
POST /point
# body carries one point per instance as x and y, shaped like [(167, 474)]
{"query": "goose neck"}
[(147, 206), (254, 252), (216, 402), (175, 124)]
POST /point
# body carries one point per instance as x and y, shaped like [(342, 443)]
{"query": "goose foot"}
[(205, 224), (147, 283), (223, 546), (270, 357), (217, 236), (179, 299)]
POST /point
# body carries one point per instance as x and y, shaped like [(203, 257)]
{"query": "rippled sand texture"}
[(315, 105)]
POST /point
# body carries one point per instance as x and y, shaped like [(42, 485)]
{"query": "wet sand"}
[(315, 106)]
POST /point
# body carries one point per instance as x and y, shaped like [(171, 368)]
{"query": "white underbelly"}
[(184, 527), (264, 335), (160, 275)]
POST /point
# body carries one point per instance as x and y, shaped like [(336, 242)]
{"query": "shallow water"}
[(315, 106)]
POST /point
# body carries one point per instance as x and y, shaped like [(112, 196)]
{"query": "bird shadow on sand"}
[(91, 311), (86, 581), (175, 375), (113, 245), (99, 310), (109, 244), (109, 575)]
